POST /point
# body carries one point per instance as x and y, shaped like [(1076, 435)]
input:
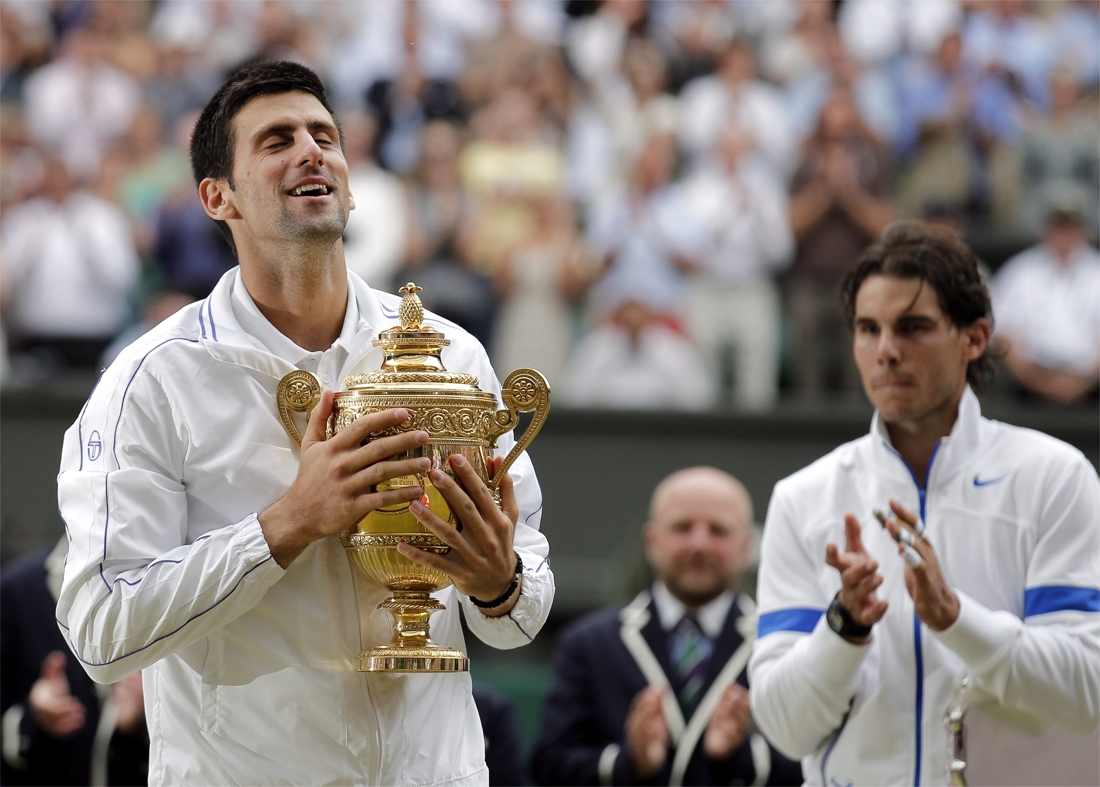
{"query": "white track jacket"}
[(249, 670), (1014, 516)]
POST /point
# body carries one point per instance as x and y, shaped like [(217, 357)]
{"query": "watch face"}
[(834, 619)]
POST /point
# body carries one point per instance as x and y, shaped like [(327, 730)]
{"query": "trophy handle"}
[(299, 391), (524, 390)]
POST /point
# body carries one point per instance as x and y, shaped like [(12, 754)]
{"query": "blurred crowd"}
[(653, 203)]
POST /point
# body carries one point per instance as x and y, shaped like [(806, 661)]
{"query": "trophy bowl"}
[(459, 419)]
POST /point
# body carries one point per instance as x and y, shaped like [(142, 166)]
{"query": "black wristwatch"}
[(840, 620)]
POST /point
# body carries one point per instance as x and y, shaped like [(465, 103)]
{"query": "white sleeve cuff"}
[(979, 635), (251, 543), (526, 618)]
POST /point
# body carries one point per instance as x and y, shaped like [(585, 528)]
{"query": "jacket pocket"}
[(208, 689)]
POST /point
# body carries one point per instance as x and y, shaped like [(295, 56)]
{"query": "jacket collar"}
[(225, 339), (951, 453)]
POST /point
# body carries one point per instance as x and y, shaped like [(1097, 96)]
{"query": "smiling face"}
[(911, 358), (698, 539), (290, 179)]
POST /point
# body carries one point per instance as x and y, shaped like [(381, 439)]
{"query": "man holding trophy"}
[(983, 572), (211, 524)]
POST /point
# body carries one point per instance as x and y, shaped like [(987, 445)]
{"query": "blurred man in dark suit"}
[(655, 692)]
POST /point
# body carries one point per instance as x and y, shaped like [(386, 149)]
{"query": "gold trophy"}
[(460, 419)]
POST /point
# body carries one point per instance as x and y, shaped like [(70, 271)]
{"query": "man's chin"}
[(695, 597)]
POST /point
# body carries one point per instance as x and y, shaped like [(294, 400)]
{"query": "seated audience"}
[(656, 692), (1046, 302)]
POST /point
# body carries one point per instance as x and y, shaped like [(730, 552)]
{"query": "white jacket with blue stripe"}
[(1014, 516), (249, 670)]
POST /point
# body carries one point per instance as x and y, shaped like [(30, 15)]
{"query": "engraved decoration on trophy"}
[(459, 419)]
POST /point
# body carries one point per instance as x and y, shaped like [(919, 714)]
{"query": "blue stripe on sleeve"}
[(1058, 598), (802, 620)]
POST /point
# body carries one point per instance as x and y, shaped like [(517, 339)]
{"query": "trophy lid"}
[(412, 352)]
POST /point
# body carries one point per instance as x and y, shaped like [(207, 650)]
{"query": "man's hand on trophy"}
[(935, 603), (481, 562), (337, 479)]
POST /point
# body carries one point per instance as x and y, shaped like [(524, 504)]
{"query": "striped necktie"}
[(690, 651)]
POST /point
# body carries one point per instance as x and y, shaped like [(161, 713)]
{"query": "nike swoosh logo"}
[(979, 482)]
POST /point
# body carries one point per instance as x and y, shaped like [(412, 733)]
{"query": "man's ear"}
[(218, 199), (977, 336), (351, 200)]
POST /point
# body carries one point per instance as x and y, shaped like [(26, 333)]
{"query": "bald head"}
[(699, 537)]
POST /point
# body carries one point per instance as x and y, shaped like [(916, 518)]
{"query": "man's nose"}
[(310, 153), (888, 348)]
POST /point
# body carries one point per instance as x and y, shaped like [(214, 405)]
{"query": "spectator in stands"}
[(1059, 147), (656, 692), (958, 125), (595, 43), (609, 131), (873, 91), (189, 252), (79, 104), (152, 171), (511, 161), (58, 726), (733, 305), (536, 284), (70, 266), (735, 94), (1006, 37), (700, 31), (1047, 304), (877, 33), (1076, 29), (440, 212), (645, 238), (837, 208), (377, 230)]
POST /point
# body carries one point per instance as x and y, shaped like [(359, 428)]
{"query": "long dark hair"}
[(936, 256)]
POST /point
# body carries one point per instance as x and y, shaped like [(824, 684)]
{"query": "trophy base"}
[(432, 658)]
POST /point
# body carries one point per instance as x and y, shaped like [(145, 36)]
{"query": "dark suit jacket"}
[(29, 633), (596, 679)]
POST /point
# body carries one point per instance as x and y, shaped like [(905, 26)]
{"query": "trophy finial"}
[(412, 310)]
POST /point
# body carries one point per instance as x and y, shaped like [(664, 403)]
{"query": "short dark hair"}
[(936, 256), (212, 141)]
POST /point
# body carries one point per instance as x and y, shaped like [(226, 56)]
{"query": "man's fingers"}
[(382, 448), (426, 558), (853, 542), (852, 576), (366, 425), (465, 510), (315, 429), (442, 530), (903, 513), (375, 474), (473, 485), (391, 497), (832, 557), (507, 488)]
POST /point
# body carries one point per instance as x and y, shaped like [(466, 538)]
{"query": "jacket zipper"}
[(922, 494)]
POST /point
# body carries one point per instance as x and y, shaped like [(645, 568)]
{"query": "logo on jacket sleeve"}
[(95, 446)]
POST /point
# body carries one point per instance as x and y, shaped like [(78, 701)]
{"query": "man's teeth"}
[(309, 188)]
